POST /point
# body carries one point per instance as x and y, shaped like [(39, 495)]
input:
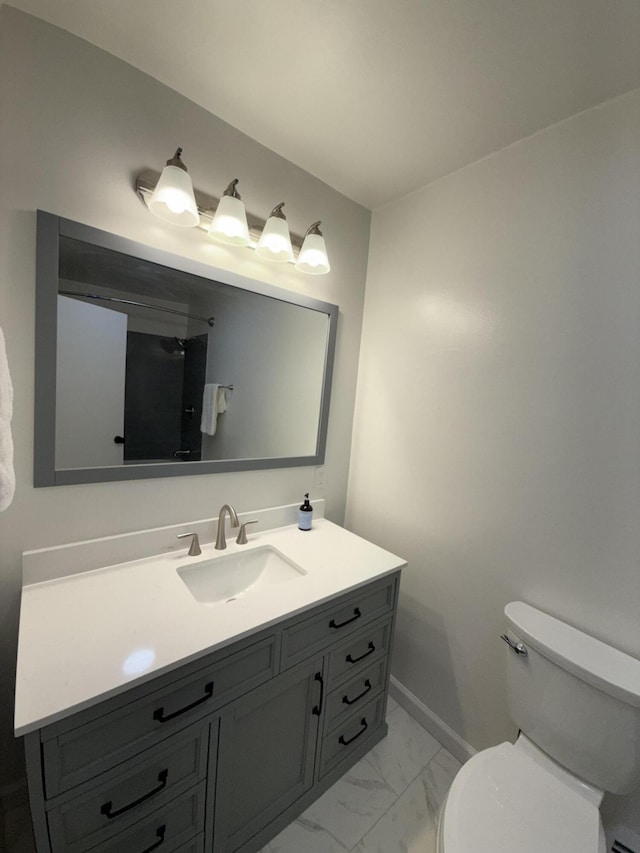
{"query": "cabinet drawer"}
[(351, 734), (355, 694), (359, 651), (78, 754), (336, 620), (124, 798), (170, 830)]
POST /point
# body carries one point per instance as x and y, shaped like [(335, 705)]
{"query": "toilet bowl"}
[(577, 704), (503, 801)]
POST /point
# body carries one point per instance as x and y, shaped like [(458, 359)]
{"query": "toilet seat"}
[(503, 801)]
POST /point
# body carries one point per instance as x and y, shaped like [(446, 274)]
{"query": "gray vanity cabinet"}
[(267, 754), (111, 811), (222, 753)]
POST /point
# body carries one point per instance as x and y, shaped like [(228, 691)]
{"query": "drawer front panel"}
[(355, 694), (122, 799), (82, 753), (173, 828), (340, 619), (359, 652), (347, 737)]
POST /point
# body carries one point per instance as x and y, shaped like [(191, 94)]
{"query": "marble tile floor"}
[(387, 803)]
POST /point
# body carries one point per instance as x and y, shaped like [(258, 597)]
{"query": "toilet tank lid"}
[(597, 663)]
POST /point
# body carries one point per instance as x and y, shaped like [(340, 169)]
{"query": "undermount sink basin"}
[(233, 576)]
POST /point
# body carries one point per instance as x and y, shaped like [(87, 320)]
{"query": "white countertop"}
[(91, 635)]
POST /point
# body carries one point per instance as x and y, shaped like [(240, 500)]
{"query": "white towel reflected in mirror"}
[(214, 403)]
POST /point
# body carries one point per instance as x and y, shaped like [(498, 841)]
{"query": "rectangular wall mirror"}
[(153, 365)]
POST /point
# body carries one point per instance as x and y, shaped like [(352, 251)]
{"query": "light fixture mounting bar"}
[(146, 182)]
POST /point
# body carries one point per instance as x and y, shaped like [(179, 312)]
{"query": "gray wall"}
[(76, 125), (496, 442)]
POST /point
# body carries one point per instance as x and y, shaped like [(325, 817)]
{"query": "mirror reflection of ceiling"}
[(87, 264), (388, 96)]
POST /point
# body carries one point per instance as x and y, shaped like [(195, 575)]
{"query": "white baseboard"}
[(444, 734)]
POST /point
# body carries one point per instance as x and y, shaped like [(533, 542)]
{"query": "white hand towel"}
[(209, 418), (214, 403), (7, 474), (221, 400)]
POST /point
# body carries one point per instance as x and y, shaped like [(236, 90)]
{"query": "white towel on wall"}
[(7, 474), (214, 403)]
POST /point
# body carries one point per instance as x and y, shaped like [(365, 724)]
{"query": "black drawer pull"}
[(160, 716), (106, 809), (318, 708), (356, 615), (367, 688), (363, 723), (160, 831), (350, 659)]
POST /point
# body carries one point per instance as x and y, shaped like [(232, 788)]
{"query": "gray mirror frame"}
[(49, 230)]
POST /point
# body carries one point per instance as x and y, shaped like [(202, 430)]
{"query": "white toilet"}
[(576, 702)]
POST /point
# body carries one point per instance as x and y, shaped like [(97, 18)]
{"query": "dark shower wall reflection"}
[(194, 375), (164, 383)]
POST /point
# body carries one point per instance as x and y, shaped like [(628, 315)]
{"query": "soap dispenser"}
[(305, 514)]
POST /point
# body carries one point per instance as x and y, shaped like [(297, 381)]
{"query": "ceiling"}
[(375, 97)]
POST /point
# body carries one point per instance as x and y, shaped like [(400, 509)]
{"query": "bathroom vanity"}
[(244, 710)]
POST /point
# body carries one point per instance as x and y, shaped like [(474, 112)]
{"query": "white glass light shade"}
[(173, 198), (229, 223), (275, 243), (313, 256)]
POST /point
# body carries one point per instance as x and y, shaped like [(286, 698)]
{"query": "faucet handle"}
[(242, 535), (194, 549)]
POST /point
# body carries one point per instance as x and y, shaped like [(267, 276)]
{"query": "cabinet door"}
[(266, 754)]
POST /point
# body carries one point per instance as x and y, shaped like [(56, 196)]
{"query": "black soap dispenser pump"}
[(305, 514)]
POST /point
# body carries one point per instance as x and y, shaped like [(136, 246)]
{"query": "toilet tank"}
[(575, 697)]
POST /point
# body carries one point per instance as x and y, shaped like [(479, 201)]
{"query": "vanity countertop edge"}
[(78, 632)]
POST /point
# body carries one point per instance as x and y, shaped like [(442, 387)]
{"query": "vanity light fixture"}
[(275, 243), (229, 223), (313, 254), (173, 199)]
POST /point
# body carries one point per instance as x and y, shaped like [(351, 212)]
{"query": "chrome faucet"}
[(221, 541)]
